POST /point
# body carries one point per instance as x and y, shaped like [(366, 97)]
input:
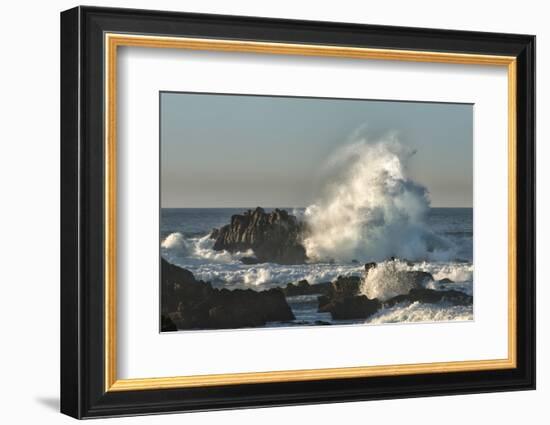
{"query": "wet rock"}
[(322, 301), (431, 296), (166, 324), (419, 278), (179, 284), (192, 304), (304, 288), (446, 280), (343, 301), (274, 237), (345, 286), (354, 307), (249, 260)]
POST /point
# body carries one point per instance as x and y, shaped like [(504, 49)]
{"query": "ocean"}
[(184, 241)]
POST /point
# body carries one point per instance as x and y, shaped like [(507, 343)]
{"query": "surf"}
[(372, 209)]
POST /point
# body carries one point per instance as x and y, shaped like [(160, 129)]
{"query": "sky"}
[(246, 151)]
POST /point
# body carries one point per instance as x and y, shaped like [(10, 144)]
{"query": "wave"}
[(222, 267), (389, 279), (419, 312), (225, 269), (176, 242), (373, 210), (176, 245)]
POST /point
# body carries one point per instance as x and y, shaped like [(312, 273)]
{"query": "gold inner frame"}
[(113, 41)]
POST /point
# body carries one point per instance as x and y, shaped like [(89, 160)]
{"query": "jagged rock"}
[(274, 237), (304, 288), (192, 304), (431, 296), (354, 307)]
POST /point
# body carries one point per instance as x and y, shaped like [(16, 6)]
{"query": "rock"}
[(344, 302), (419, 278), (166, 324), (214, 233), (431, 296), (274, 237), (369, 266), (304, 288), (192, 304), (322, 301), (247, 308), (354, 307), (179, 284), (345, 286), (249, 260), (446, 280)]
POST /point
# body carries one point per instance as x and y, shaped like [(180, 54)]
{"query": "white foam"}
[(372, 210), (419, 312), (175, 241), (387, 280), (176, 247)]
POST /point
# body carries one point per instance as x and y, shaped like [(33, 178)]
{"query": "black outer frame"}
[(82, 206)]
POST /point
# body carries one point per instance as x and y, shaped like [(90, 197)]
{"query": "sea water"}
[(185, 241)]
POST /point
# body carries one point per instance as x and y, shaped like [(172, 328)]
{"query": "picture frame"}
[(90, 40)]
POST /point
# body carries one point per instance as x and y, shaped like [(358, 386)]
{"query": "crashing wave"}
[(373, 210), (175, 246), (419, 312)]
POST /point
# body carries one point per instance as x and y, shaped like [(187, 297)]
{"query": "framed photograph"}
[(261, 212)]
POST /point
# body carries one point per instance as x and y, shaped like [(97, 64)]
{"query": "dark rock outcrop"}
[(250, 260), (179, 286), (274, 237), (431, 296), (304, 288), (166, 324), (345, 286), (188, 303), (351, 307), (245, 308), (343, 301), (446, 280)]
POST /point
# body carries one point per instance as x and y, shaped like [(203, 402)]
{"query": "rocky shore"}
[(344, 301), (187, 303)]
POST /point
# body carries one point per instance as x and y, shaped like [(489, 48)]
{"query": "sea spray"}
[(175, 246), (176, 241), (372, 210), (391, 278)]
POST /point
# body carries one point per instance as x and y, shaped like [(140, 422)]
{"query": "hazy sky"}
[(244, 151)]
